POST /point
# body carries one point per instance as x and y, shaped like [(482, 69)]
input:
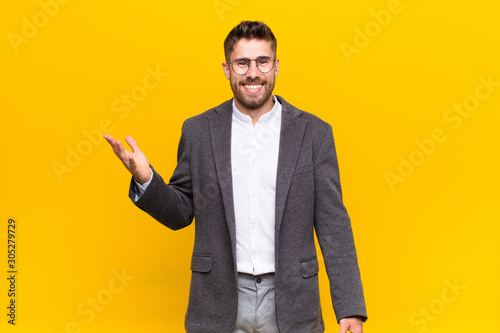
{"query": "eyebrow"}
[(244, 58)]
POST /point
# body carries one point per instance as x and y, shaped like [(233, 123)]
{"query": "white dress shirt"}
[(254, 161)]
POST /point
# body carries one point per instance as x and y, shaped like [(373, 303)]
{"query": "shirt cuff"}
[(141, 188)]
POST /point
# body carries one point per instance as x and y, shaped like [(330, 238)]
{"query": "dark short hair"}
[(248, 30)]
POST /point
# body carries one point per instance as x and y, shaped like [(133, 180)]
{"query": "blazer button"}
[(258, 280)]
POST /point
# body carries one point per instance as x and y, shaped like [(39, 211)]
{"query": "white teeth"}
[(255, 86)]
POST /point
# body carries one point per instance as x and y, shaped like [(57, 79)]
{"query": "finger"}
[(131, 161), (132, 143), (110, 140), (114, 145), (119, 146), (122, 154)]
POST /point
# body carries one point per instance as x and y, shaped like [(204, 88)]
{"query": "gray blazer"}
[(308, 199)]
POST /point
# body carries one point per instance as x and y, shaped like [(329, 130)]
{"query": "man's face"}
[(253, 89)]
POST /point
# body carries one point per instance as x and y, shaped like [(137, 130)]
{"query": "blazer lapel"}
[(292, 132), (220, 122)]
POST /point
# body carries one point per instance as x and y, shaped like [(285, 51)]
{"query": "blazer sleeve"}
[(172, 203), (334, 233)]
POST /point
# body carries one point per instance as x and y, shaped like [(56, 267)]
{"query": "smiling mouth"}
[(253, 88)]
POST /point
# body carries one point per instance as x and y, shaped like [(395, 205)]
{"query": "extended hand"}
[(351, 324), (135, 162)]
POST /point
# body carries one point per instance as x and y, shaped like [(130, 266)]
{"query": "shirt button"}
[(253, 227)]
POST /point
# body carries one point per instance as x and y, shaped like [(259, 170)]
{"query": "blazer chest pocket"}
[(201, 263), (309, 268), (304, 169)]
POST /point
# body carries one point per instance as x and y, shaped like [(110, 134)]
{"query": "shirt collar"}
[(265, 117)]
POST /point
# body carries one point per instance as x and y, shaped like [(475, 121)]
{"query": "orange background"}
[(420, 179)]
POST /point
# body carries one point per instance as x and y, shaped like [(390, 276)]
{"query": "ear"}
[(225, 67), (276, 67)]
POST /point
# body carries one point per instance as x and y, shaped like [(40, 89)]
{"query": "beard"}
[(252, 101)]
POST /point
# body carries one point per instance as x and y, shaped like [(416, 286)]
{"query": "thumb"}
[(131, 142)]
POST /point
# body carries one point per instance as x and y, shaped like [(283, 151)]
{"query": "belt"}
[(256, 278)]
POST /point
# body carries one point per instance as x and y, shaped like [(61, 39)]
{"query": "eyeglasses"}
[(242, 65)]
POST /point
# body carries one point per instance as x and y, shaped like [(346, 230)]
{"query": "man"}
[(260, 176)]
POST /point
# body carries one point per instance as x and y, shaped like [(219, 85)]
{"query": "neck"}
[(255, 114)]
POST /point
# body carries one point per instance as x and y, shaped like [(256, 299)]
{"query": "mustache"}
[(256, 81)]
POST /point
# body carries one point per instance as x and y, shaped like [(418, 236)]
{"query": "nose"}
[(253, 71)]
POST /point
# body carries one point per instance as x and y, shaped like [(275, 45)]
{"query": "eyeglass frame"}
[(250, 61)]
